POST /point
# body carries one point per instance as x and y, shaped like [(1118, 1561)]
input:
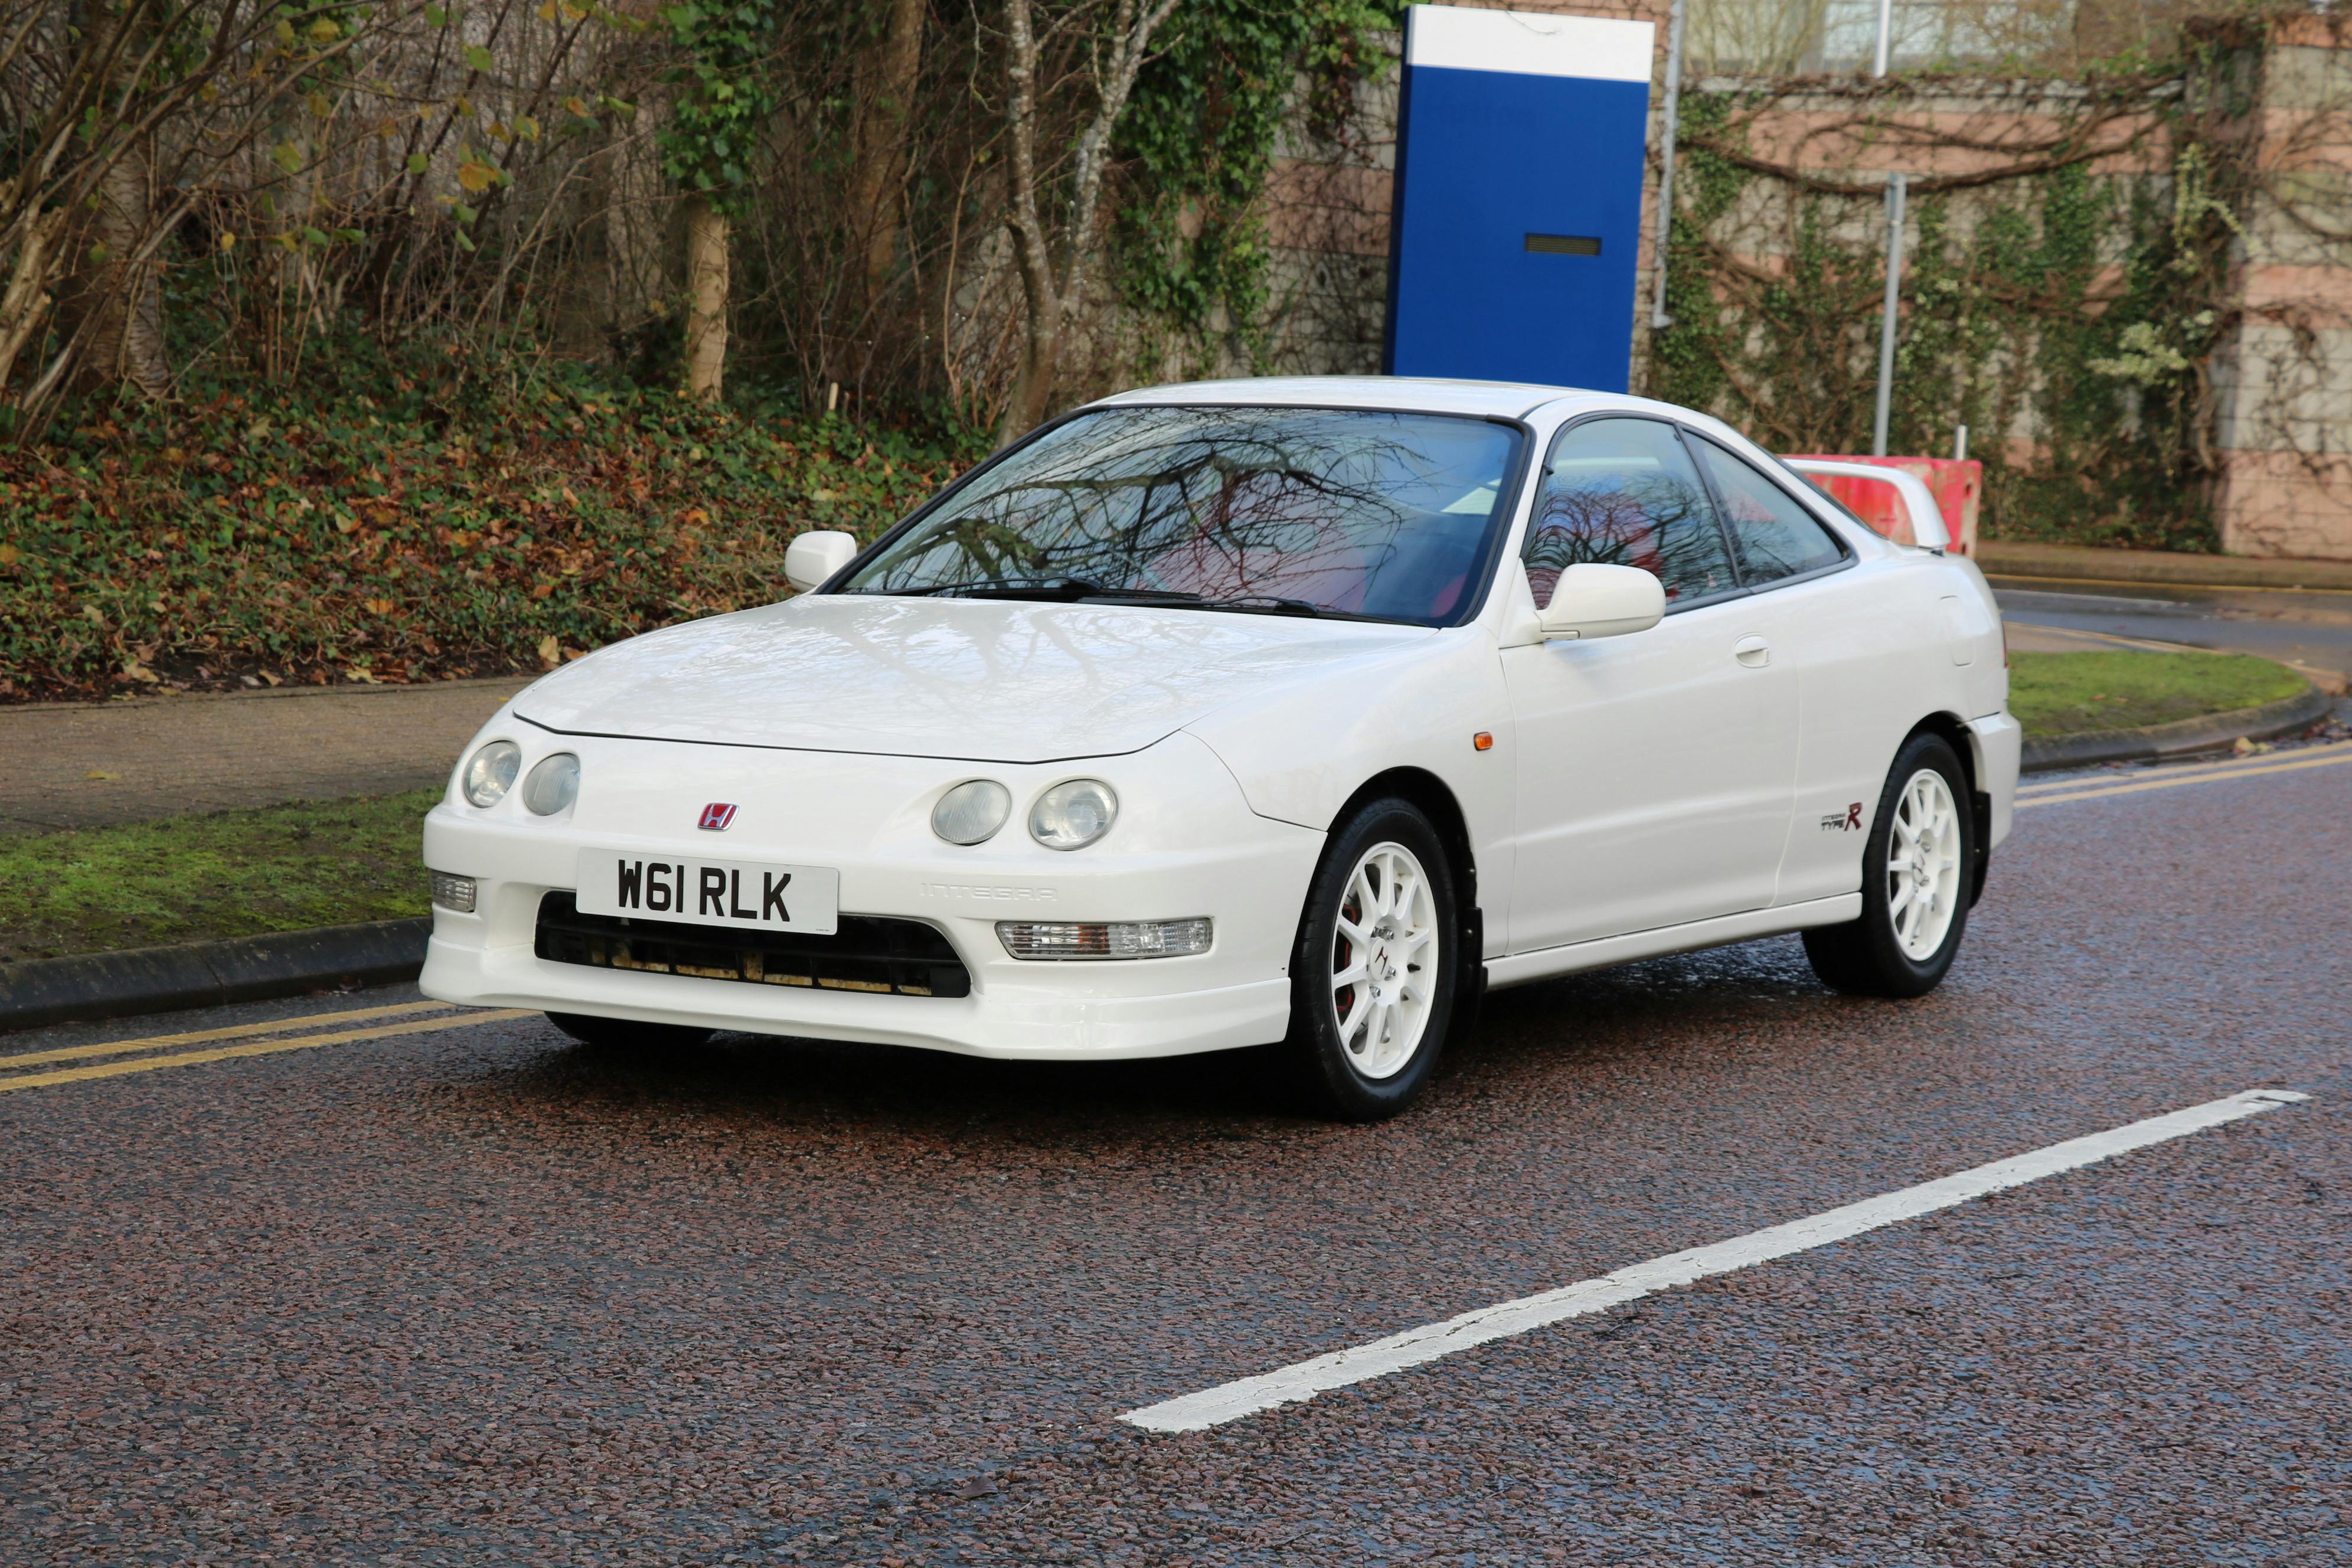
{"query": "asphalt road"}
[(2308, 629), (459, 1292)]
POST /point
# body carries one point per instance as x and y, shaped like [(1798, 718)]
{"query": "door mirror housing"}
[(817, 555), (1595, 601)]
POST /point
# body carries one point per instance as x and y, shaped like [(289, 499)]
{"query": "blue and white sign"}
[(1520, 147)]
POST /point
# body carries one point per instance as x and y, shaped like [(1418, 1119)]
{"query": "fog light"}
[(454, 893), (1118, 939)]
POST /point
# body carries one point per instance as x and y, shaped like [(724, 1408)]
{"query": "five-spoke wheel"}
[(1917, 861), (1373, 974)]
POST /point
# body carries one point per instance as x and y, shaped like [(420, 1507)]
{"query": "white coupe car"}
[(1245, 712)]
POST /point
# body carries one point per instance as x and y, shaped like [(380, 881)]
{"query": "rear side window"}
[(1623, 492), (1777, 536)]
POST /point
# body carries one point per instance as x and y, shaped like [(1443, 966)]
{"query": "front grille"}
[(869, 953)]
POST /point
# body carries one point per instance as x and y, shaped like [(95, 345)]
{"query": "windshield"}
[(1281, 511)]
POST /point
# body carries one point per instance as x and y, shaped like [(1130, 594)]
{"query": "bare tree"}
[(1054, 271)]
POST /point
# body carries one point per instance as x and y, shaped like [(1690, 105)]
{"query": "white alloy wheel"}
[(1384, 958), (1923, 865)]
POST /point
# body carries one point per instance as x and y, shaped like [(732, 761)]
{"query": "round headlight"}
[(971, 812), (490, 773), (554, 784), (1074, 814)]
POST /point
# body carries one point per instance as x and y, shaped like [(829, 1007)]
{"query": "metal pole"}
[(1894, 195), (1659, 320)]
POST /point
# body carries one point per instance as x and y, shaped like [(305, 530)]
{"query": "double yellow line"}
[(247, 1033), (2066, 791)]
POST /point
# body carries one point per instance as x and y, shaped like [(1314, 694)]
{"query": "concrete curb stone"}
[(37, 991), (2091, 748)]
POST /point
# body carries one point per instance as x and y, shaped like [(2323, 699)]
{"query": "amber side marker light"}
[(1481, 742)]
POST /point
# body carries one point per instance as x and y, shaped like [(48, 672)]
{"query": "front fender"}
[(1300, 751)]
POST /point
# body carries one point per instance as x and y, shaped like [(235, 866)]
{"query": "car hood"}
[(980, 680)]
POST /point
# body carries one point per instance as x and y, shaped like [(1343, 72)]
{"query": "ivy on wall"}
[(725, 96), (1208, 116), (2067, 317)]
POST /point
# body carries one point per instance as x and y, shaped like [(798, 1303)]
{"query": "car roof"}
[(1426, 394)]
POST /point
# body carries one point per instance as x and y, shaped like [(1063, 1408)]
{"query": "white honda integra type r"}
[(1246, 712)]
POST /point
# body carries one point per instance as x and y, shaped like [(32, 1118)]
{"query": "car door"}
[(1654, 769), (1847, 639)]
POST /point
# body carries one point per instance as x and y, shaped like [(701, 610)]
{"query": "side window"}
[(1623, 492), (1777, 537)]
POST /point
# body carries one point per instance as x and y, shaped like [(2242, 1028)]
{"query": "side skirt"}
[(1521, 968)]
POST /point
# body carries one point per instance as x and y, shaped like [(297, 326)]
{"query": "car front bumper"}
[(1186, 845)]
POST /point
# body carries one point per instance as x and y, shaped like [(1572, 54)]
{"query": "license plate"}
[(711, 892)]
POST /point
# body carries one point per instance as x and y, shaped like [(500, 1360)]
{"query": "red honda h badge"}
[(716, 816)]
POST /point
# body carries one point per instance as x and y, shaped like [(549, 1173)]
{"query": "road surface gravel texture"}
[(468, 1294)]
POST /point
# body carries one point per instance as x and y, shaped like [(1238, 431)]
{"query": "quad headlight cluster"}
[(1070, 816), (490, 773)]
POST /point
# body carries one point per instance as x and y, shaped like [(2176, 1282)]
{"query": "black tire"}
[(1327, 1072), (628, 1036), (1866, 957)]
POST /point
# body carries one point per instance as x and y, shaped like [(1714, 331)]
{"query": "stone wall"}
[(2282, 381)]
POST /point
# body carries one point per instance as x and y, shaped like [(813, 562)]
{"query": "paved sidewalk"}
[(2002, 558), (87, 764)]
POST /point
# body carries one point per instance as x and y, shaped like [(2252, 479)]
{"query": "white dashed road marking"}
[(1291, 1384)]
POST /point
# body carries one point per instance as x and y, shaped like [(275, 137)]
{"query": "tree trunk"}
[(886, 79), (117, 298), (1052, 301), (705, 298), (1032, 384), (1041, 338), (26, 301)]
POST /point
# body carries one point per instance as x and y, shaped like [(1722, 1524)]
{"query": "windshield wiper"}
[(1075, 590), (1003, 588), (1269, 605)]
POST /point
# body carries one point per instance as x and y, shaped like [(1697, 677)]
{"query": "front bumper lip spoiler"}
[(1009, 1029)]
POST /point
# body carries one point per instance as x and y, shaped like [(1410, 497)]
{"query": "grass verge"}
[(235, 873), (2059, 693)]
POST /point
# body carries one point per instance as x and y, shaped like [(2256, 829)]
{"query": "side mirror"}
[(817, 555), (1595, 601)]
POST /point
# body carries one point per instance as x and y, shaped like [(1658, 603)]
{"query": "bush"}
[(410, 516)]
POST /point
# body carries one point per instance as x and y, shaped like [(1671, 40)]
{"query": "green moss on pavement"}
[(2058, 693), (235, 873)]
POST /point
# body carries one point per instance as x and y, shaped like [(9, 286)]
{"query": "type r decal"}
[(1846, 821)]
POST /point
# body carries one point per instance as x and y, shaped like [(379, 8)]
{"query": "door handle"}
[(1753, 652)]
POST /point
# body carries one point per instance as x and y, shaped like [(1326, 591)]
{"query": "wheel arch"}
[(1965, 743), (1428, 792), (1436, 800)]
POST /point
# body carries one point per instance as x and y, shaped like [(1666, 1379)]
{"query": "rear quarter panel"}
[(1900, 639)]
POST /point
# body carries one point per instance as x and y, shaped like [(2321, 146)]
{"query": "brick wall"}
[(2282, 381)]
